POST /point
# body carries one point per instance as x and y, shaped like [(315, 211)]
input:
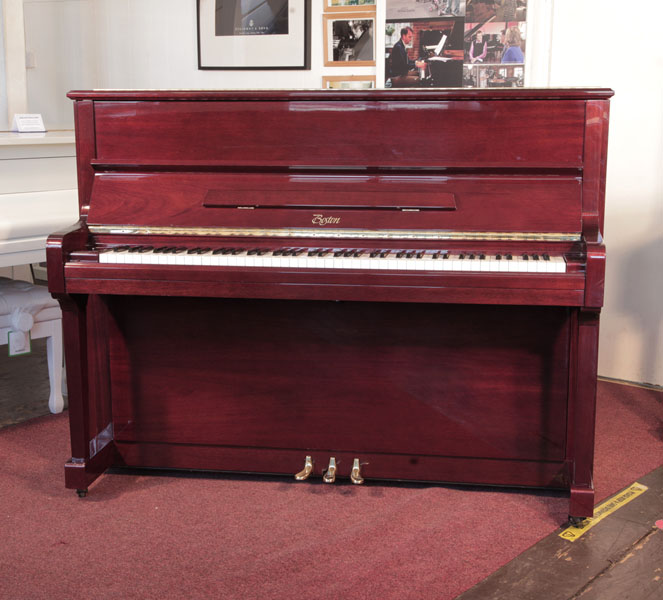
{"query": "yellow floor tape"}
[(603, 510)]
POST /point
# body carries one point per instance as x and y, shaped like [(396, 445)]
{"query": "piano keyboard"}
[(335, 258)]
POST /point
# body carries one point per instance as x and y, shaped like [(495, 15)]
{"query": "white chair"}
[(29, 309)]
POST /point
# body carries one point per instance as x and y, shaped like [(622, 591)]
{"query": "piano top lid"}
[(386, 94)]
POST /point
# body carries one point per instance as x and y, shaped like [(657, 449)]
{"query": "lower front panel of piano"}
[(429, 392)]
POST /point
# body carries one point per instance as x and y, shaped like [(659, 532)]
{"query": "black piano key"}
[(159, 250), (471, 257), (278, 252), (400, 254), (461, 256), (546, 257), (324, 252), (420, 254), (384, 254), (178, 250), (121, 248), (299, 251), (349, 253), (192, 251), (144, 249), (436, 254), (482, 256), (535, 256), (262, 251), (509, 256), (525, 257), (498, 257), (445, 255), (358, 253), (135, 249), (235, 251), (338, 253), (374, 253), (410, 254), (253, 252), (313, 252), (218, 251)]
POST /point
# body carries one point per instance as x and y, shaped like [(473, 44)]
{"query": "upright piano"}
[(373, 285)]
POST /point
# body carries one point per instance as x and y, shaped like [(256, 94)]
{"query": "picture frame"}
[(349, 82), (270, 36), (349, 39), (349, 5)]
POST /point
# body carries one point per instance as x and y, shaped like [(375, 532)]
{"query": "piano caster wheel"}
[(330, 475), (81, 493), (306, 471), (576, 521)]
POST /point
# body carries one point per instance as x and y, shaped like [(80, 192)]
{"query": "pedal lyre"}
[(355, 474), (330, 475), (306, 471)]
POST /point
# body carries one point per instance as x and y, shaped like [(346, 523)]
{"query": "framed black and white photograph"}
[(253, 34), (349, 39), (348, 5)]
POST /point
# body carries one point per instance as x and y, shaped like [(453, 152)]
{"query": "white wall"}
[(592, 46), (3, 83), (60, 46)]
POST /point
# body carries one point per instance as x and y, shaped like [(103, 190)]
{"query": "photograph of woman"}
[(513, 52)]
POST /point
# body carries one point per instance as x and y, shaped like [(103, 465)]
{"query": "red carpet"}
[(139, 536)]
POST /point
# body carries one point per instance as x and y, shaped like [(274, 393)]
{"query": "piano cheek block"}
[(370, 293)]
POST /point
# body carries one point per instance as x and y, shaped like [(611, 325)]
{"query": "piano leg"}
[(92, 448), (586, 364)]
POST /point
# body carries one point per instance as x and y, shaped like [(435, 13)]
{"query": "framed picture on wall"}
[(349, 39), (253, 34), (348, 82), (348, 5)]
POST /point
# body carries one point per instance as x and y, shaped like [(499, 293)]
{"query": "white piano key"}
[(560, 264), (457, 263)]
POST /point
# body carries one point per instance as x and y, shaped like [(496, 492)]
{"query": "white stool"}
[(30, 309)]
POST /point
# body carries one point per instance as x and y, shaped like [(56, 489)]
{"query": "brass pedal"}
[(355, 474), (330, 475), (306, 471)]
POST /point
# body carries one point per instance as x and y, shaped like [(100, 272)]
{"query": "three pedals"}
[(330, 474)]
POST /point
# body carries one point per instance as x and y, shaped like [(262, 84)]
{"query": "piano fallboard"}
[(405, 283)]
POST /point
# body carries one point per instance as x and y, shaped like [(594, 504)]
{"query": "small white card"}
[(19, 342), (28, 124)]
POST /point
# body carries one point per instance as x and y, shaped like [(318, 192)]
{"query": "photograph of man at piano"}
[(434, 59), (349, 39), (401, 63)]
